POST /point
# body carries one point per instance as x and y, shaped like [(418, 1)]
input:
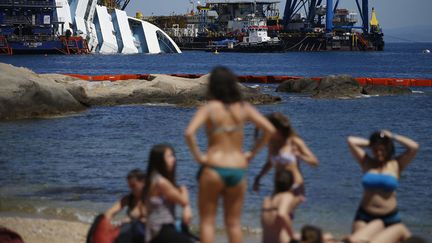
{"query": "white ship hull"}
[(113, 33)]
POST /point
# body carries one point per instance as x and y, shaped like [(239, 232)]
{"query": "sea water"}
[(74, 167)]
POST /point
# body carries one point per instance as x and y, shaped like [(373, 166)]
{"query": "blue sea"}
[(74, 167)]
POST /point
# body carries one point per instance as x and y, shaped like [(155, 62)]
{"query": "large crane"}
[(313, 18)]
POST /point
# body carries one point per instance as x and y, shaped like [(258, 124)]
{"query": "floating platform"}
[(269, 79)]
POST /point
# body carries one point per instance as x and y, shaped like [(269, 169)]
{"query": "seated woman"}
[(133, 202), (133, 226), (382, 171), (277, 210), (161, 195)]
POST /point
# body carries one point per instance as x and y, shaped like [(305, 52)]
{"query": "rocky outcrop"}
[(336, 87), (385, 90), (341, 86), (305, 85), (158, 89), (24, 94)]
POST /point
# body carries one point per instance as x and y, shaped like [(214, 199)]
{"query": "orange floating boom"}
[(265, 79)]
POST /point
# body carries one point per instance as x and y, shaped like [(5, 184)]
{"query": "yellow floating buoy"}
[(216, 52)]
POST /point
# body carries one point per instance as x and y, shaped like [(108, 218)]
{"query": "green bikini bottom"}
[(230, 176)]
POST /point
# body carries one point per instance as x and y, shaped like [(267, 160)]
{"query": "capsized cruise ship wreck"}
[(76, 27)]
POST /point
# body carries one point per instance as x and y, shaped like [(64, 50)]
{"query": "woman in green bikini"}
[(224, 165)]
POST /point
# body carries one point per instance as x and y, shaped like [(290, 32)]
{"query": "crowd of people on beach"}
[(155, 195)]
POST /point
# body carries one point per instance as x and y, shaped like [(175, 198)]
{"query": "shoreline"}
[(50, 230)]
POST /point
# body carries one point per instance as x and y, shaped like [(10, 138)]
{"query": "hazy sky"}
[(390, 13)]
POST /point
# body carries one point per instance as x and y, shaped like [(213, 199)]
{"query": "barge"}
[(304, 26)]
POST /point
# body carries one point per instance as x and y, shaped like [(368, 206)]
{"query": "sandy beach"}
[(38, 230), (41, 230)]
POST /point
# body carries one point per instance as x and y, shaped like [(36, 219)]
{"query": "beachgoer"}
[(382, 171), (161, 195), (286, 149), (277, 210), (224, 166), (133, 201)]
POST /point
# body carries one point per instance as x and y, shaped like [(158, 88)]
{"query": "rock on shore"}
[(340, 86), (25, 94), (159, 89)]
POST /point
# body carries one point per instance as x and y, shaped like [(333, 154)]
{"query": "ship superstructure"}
[(76, 27)]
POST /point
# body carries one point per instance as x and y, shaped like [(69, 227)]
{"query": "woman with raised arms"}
[(382, 171)]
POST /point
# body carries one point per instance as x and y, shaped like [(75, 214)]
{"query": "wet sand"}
[(40, 230)]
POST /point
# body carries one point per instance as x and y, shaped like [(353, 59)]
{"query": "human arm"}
[(116, 208), (173, 194), (411, 149), (262, 123), (283, 214), (264, 170), (187, 210), (304, 153), (197, 121), (357, 145)]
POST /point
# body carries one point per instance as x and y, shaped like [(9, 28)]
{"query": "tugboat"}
[(254, 38)]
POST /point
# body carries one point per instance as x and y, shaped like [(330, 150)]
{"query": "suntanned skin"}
[(275, 218), (376, 232), (295, 145), (225, 149), (164, 188), (378, 202), (138, 211)]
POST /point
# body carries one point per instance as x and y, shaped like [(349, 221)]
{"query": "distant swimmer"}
[(382, 171)]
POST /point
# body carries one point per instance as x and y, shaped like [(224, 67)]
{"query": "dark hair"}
[(157, 164), (311, 234), (281, 123), (136, 174), (415, 239), (283, 181), (379, 138), (223, 86)]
